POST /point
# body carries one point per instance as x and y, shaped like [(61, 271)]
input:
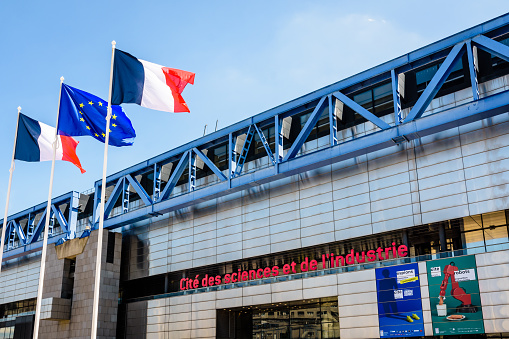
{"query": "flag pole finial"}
[(19, 109), (113, 43), (61, 79)]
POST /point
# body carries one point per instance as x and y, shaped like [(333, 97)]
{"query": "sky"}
[(248, 57)]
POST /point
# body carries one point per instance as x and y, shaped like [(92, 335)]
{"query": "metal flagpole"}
[(46, 225), (95, 310), (11, 170)]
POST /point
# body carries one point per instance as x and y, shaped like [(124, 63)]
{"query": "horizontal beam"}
[(450, 118), (62, 199)]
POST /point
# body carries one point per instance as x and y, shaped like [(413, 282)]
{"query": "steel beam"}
[(117, 190), (157, 182), (396, 97), (306, 130), (210, 164), (38, 228), (57, 214), (175, 176), (333, 123), (473, 70), (72, 220), (231, 158), (139, 189), (492, 46), (21, 235), (361, 110), (245, 149), (192, 171), (125, 196), (265, 144), (436, 82)]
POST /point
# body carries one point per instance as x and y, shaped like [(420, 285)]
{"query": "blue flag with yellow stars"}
[(82, 113)]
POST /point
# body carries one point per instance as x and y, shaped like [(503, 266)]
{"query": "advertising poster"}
[(454, 296), (399, 301)]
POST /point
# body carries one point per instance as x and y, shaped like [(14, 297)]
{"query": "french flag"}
[(34, 143), (147, 84)]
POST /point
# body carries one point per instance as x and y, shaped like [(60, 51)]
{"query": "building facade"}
[(375, 207)]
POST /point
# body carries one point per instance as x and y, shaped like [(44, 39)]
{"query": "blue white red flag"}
[(34, 143), (148, 84)]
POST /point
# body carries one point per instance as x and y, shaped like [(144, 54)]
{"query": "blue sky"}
[(247, 56)]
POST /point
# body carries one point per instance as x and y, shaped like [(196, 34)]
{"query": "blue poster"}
[(399, 301)]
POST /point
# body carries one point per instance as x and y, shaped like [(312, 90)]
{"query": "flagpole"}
[(95, 310), (46, 225), (11, 170)]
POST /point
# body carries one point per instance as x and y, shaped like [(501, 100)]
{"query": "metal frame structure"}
[(280, 164), (30, 239)]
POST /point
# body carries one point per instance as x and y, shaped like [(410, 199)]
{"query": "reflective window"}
[(377, 100), (317, 318), (9, 312)]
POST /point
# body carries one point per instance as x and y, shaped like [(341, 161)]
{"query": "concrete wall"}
[(80, 323)]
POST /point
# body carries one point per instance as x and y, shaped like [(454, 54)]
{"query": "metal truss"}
[(22, 240), (414, 125), (242, 135), (239, 138)]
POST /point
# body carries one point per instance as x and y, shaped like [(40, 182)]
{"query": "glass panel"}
[(383, 98), (426, 75), (382, 91), (365, 100), (495, 235), (472, 223), (505, 42), (473, 239), (494, 219)]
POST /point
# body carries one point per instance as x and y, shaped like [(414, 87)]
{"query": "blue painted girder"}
[(450, 118), (32, 243), (436, 82)]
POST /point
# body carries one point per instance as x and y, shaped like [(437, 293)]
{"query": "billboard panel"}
[(399, 301), (454, 296)]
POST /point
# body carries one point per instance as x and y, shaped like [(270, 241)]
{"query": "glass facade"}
[(313, 318), (12, 313)]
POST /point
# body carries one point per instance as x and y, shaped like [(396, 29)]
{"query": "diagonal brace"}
[(38, 228), (492, 46), (113, 197), (172, 182), (361, 110), (60, 218), (265, 144), (19, 230), (436, 82), (243, 153), (139, 189), (304, 133), (210, 164)]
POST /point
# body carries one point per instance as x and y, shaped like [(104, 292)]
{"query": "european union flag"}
[(82, 113)]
